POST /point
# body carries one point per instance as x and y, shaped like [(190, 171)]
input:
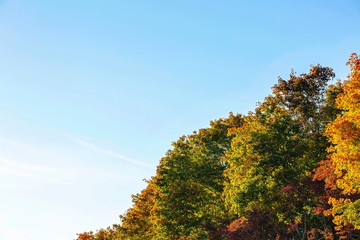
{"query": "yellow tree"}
[(343, 165), (138, 221)]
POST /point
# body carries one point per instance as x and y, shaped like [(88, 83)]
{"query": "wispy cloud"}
[(20, 161), (20, 165), (106, 152), (36, 172)]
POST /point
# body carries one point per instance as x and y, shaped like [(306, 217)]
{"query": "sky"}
[(93, 93)]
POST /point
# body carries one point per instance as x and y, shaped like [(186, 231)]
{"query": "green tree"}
[(278, 146), (190, 182)]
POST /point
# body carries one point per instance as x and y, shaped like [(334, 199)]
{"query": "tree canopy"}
[(288, 170)]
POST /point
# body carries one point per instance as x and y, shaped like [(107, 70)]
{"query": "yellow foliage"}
[(344, 134)]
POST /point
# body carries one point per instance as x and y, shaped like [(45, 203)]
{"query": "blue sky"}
[(92, 93)]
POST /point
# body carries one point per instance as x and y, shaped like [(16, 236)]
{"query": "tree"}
[(253, 177), (278, 146), (341, 171), (102, 234), (138, 221), (190, 182)]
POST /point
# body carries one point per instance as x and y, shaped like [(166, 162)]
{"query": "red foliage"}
[(258, 226), (86, 236)]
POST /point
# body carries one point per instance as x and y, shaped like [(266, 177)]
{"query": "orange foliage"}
[(86, 236), (342, 170)]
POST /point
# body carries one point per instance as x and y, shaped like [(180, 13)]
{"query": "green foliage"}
[(276, 148), (278, 144), (262, 160), (190, 182)]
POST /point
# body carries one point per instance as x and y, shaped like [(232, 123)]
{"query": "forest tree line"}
[(288, 170)]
